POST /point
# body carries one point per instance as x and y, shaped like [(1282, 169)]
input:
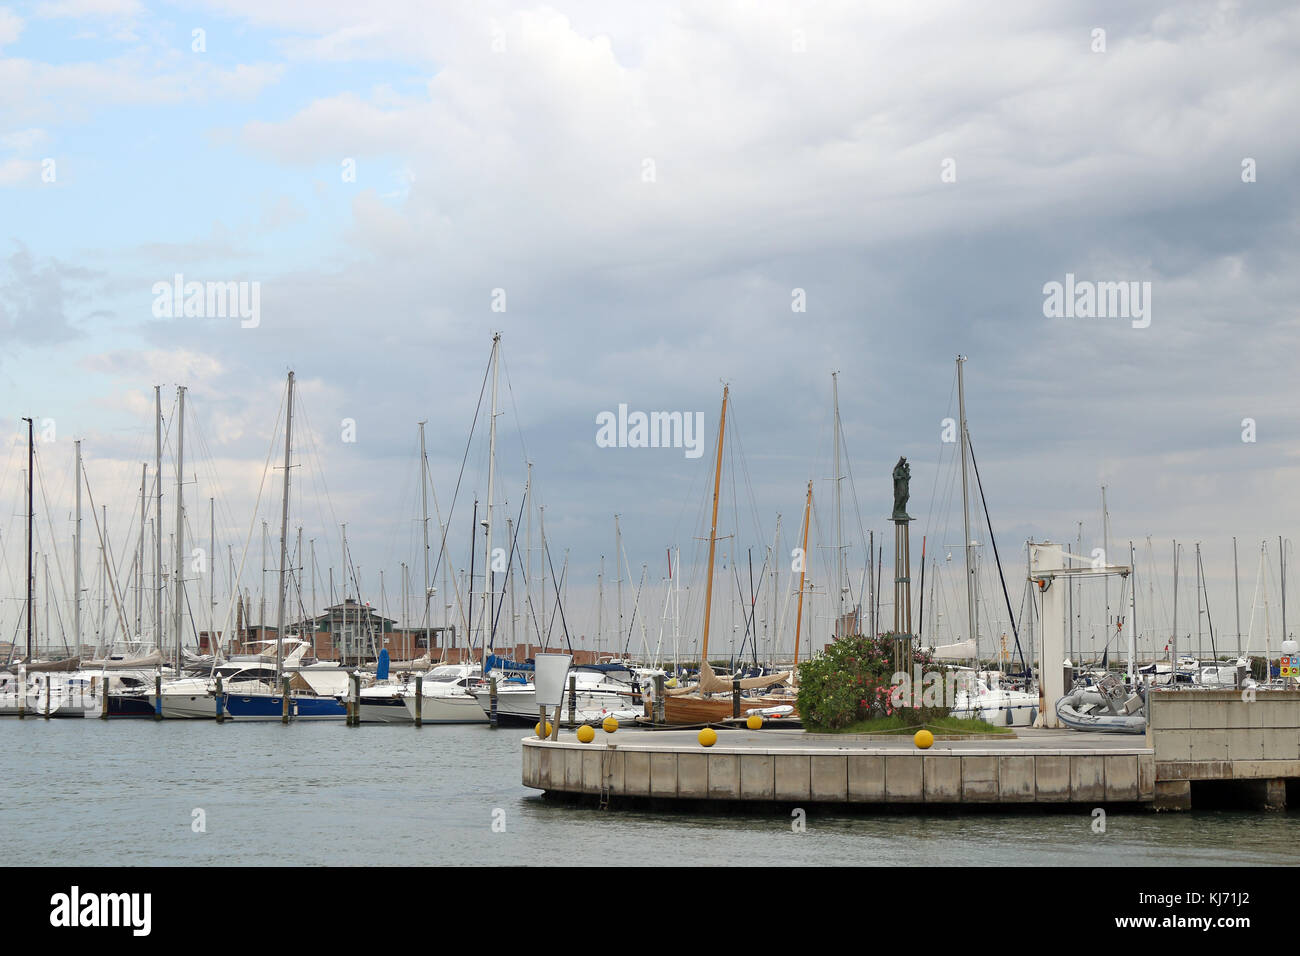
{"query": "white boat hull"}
[(446, 709)]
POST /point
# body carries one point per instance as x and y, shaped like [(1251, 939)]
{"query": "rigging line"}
[(455, 495), (636, 603), (559, 603), (510, 563), (993, 540), (511, 392)]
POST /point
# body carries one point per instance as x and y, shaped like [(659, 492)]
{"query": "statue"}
[(902, 476)]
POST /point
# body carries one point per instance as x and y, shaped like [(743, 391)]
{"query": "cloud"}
[(35, 298)]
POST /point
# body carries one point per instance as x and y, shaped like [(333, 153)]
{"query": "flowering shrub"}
[(850, 681)]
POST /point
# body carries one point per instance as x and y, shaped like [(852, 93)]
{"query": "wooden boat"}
[(695, 704)]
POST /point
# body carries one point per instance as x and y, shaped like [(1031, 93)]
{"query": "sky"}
[(647, 202)]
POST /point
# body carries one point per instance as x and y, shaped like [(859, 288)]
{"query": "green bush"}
[(850, 681)]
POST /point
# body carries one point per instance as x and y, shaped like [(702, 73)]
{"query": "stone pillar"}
[(902, 596), (1173, 795)]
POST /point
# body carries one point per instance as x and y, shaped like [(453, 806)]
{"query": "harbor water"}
[(191, 793)]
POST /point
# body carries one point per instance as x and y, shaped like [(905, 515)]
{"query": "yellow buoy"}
[(754, 722), (585, 734), (537, 729), (923, 739), (708, 737), (609, 725)]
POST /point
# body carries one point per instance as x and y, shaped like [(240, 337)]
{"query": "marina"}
[(746, 442)]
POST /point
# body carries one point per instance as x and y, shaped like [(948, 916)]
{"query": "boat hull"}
[(385, 710), (691, 709), (271, 707), (189, 706), (446, 710)]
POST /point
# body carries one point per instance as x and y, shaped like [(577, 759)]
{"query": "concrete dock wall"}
[(863, 775), (1227, 736)]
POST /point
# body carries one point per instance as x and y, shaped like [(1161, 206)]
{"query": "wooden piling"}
[(658, 715), (419, 700), (157, 695), (221, 701), (735, 698), (47, 696), (492, 703), (573, 699), (284, 700)]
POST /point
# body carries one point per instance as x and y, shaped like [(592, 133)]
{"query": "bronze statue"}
[(902, 476)]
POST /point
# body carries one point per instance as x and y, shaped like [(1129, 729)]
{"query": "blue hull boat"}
[(271, 707)]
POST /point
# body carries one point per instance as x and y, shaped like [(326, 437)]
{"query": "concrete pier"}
[(1052, 767)]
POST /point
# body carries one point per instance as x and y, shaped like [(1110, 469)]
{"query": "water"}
[(92, 792)]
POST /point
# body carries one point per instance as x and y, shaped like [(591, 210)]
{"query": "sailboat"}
[(983, 694), (693, 704), (272, 705)]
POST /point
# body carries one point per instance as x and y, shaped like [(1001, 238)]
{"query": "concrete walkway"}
[(790, 765)]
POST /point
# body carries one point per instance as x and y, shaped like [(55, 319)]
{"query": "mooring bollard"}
[(157, 695), (419, 700), (492, 703), (735, 697), (659, 699), (284, 701), (573, 699), (221, 701)]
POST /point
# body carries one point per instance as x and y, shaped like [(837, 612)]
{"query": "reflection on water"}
[(91, 792)]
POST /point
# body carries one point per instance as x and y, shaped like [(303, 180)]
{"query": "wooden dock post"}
[(419, 700), (573, 699), (221, 701), (354, 705), (157, 695), (492, 703), (735, 698), (284, 699), (22, 692), (658, 715), (103, 697)]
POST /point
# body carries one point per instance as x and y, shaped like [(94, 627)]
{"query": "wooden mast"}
[(713, 531), (803, 570)]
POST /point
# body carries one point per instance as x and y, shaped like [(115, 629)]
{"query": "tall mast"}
[(618, 570), (1200, 650), (1236, 593), (803, 570), (528, 545), (31, 464), (965, 510), (487, 522), (1282, 566), (178, 595), (284, 535), (139, 565), (212, 573), (713, 533), (157, 519), (424, 524), (600, 605), (1132, 629), (839, 549), (76, 555), (1105, 580), (1173, 646)]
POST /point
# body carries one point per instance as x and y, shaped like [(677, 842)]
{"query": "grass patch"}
[(896, 725)]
